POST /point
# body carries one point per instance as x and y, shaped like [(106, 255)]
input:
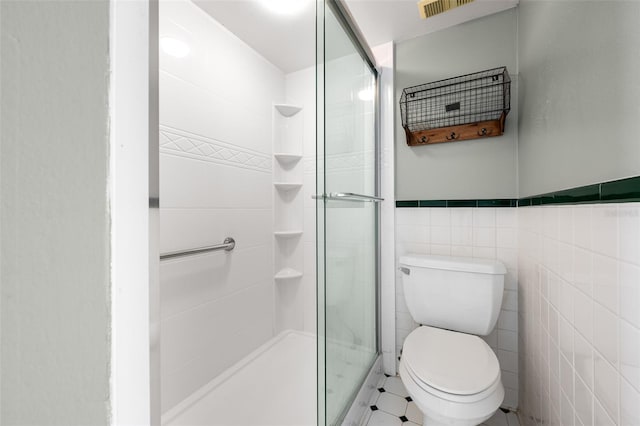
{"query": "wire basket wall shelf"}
[(467, 107)]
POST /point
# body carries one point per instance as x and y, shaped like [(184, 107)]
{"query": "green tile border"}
[(627, 189), (433, 203), (462, 203), (503, 202), (617, 191), (407, 204)]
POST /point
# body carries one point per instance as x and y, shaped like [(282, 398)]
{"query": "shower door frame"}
[(347, 23), (353, 32)]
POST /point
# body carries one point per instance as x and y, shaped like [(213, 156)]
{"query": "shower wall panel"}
[(215, 182)]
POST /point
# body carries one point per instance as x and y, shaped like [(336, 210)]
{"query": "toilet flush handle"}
[(405, 270)]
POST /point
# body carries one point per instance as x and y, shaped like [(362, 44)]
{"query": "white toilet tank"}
[(454, 293)]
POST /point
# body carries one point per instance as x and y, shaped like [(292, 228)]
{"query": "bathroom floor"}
[(391, 406)]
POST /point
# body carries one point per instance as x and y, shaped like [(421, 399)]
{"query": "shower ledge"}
[(284, 186), (287, 234), (286, 274), (288, 110), (285, 158)]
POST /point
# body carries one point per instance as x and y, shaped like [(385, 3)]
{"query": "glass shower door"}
[(347, 217)]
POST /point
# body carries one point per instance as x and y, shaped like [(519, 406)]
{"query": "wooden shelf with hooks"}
[(470, 106), (462, 132)]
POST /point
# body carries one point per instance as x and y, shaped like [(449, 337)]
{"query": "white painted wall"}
[(480, 168), (215, 181), (54, 214), (484, 233), (579, 93)]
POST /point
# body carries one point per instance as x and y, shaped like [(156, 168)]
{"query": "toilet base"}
[(430, 421), (439, 412)]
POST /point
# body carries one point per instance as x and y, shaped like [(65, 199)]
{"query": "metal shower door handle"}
[(348, 196)]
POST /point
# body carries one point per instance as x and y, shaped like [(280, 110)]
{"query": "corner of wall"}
[(385, 55), (129, 115)]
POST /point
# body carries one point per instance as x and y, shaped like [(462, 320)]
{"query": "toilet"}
[(451, 374)]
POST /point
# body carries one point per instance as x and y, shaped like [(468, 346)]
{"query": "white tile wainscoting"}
[(579, 288), (486, 232)]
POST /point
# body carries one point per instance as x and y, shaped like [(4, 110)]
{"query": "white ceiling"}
[(289, 41), (381, 21)]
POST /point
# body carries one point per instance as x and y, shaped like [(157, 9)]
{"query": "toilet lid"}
[(456, 363)]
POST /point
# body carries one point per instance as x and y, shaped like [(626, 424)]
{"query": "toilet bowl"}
[(454, 378), (451, 374)]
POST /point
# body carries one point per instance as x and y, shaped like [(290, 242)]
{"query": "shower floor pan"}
[(274, 385)]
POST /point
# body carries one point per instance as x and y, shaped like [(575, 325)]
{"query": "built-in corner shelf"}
[(287, 234), (286, 274), (288, 205), (288, 110), (285, 186), (286, 159)]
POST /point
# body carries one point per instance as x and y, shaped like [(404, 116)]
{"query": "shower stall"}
[(269, 211)]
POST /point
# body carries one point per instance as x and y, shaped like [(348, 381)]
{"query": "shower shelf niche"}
[(287, 274), (288, 110), (287, 159), (288, 213), (286, 186), (287, 234)]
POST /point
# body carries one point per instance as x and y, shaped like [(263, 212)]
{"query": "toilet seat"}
[(448, 409), (454, 366), (466, 399)]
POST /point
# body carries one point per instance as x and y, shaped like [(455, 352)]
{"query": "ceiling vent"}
[(429, 8)]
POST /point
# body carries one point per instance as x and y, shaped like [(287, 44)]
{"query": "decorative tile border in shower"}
[(184, 144), (617, 191)]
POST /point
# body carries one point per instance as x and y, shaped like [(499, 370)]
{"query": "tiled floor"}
[(392, 406)]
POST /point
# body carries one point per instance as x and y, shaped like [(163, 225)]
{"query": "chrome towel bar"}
[(348, 196), (228, 245)]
